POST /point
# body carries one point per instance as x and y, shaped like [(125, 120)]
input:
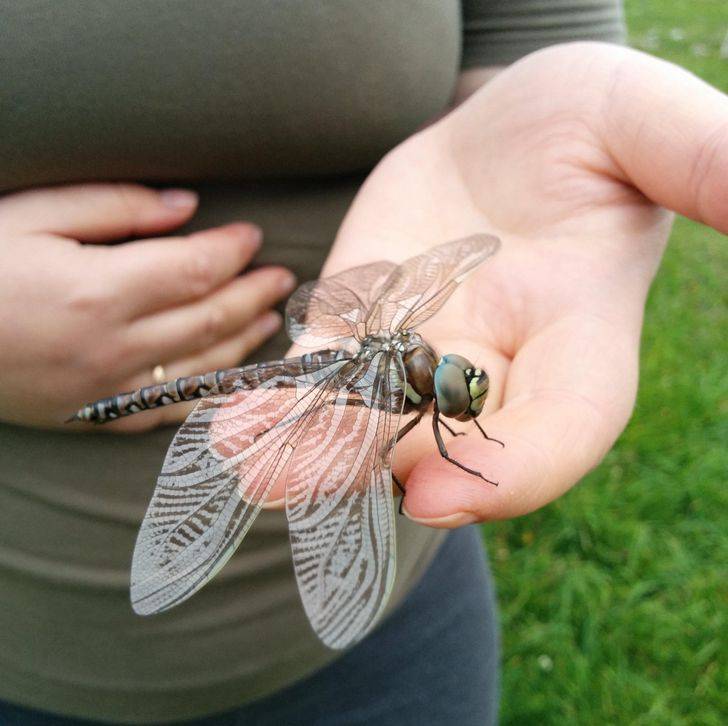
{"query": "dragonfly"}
[(323, 424)]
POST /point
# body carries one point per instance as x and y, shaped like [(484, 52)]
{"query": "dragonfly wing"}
[(420, 286), (219, 469), (334, 309), (339, 504)]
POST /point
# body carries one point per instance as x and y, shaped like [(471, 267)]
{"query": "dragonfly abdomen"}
[(162, 394), (215, 383)]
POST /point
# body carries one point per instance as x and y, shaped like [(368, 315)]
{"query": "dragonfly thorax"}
[(420, 362), (400, 341)]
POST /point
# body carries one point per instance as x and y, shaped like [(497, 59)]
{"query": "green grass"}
[(614, 599)]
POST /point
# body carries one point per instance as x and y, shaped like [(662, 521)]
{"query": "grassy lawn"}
[(615, 598)]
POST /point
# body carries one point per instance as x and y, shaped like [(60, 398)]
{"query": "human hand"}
[(569, 156), (82, 321)]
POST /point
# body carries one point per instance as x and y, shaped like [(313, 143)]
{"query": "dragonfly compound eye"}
[(460, 388), (451, 386)]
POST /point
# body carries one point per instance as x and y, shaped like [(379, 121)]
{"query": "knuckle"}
[(261, 289), (198, 273), (255, 303), (707, 175), (129, 196), (98, 360), (248, 343), (130, 201), (214, 324), (90, 299)]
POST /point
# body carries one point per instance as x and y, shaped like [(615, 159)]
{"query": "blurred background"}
[(614, 600)]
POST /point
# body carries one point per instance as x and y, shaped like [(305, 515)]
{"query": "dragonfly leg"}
[(407, 428), (401, 489), (488, 438), (400, 435), (453, 432), (443, 449)]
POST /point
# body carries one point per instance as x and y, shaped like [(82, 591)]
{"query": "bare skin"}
[(78, 321), (571, 157)]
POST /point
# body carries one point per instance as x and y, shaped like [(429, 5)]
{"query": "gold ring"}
[(159, 375)]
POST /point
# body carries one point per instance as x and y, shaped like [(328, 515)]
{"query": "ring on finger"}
[(159, 375)]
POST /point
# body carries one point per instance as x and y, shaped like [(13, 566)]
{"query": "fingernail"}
[(274, 504), (287, 283), (270, 323), (459, 519), (178, 198)]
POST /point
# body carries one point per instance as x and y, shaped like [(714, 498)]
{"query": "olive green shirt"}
[(274, 111)]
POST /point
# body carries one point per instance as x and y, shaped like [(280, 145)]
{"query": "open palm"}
[(570, 156)]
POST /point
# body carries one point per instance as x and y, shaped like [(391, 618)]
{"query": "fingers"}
[(96, 212), (184, 331), (227, 354), (668, 132), (570, 391), (158, 273)]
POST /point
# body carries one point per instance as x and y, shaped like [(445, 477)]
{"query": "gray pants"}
[(434, 661)]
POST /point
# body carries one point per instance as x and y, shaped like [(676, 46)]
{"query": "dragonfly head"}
[(460, 387)]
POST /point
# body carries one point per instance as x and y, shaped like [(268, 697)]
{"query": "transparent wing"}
[(382, 296), (339, 505), (335, 308), (420, 286), (219, 470)]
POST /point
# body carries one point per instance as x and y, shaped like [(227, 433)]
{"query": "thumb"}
[(668, 133), (96, 212), (569, 393)]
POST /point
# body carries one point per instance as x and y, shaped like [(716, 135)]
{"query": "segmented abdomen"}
[(214, 383)]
